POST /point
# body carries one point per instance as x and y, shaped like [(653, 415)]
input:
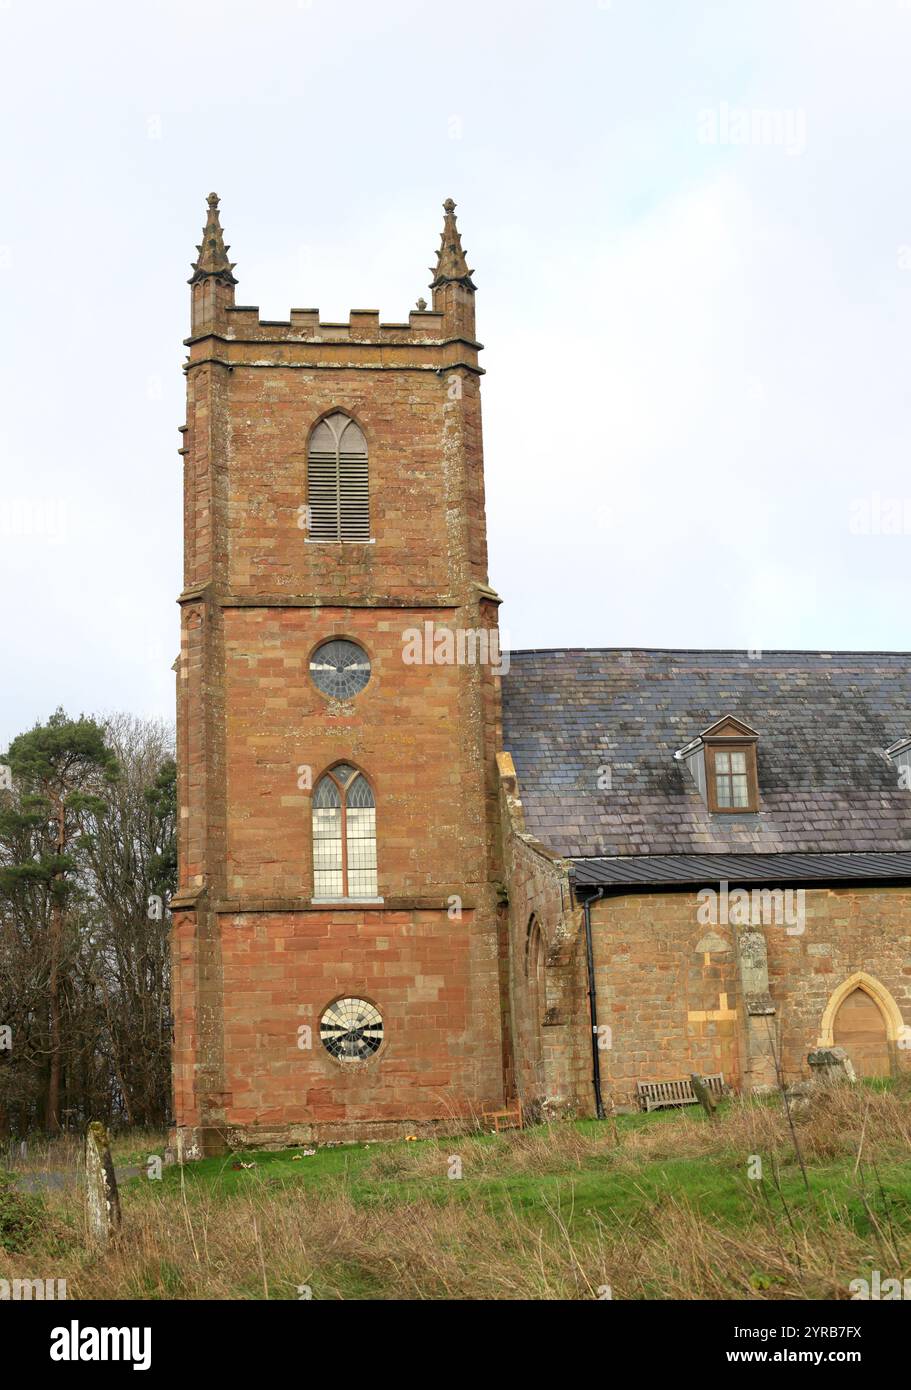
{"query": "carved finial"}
[(213, 253), (451, 263), (421, 305)]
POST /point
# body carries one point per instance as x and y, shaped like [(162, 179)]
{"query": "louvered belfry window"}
[(337, 487)]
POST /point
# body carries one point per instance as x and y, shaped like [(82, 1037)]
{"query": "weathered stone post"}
[(758, 1065), (101, 1196)]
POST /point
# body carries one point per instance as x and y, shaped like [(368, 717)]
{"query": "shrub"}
[(21, 1216)]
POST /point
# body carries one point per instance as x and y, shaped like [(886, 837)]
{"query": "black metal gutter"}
[(593, 999)]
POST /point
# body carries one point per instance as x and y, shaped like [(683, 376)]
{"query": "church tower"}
[(336, 932)]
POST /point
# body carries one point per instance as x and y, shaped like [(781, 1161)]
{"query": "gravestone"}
[(829, 1065), (101, 1196)]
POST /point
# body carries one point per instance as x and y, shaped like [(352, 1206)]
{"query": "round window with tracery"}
[(340, 668), (351, 1030)]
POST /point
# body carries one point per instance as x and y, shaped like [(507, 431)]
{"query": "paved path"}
[(57, 1180)]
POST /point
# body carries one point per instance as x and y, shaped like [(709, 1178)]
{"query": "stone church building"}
[(420, 878)]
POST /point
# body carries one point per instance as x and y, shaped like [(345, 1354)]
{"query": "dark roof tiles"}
[(822, 718)]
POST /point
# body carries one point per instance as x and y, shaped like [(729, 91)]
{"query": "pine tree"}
[(60, 771)]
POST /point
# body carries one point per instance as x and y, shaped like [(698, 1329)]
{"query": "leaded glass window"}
[(344, 835), (340, 668), (351, 1030)]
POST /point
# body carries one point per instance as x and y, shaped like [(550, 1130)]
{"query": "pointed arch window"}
[(338, 494), (535, 959), (344, 835)]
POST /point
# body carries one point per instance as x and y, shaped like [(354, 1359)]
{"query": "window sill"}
[(344, 902), (309, 541)]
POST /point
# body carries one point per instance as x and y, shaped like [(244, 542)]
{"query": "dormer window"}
[(899, 755), (732, 783), (722, 763)]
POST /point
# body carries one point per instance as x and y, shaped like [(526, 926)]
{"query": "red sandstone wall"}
[(405, 731), (417, 504), (431, 978), (183, 1010)]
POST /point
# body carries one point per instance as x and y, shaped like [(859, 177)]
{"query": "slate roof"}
[(823, 719)]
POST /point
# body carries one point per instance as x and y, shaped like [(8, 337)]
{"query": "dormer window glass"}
[(732, 787)]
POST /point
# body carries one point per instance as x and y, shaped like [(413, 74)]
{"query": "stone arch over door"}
[(863, 1018)]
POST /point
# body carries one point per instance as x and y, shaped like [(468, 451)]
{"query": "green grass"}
[(601, 1190), (658, 1206)]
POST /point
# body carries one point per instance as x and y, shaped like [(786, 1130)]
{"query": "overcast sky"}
[(691, 228)]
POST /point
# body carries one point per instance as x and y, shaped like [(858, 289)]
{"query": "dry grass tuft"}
[(557, 1149), (376, 1234), (281, 1245)]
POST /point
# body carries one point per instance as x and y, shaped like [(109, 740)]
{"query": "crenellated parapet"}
[(220, 329)]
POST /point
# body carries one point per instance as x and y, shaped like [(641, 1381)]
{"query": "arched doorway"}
[(860, 1029), (863, 1018)]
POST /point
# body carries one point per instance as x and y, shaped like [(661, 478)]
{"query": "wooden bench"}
[(508, 1118), (654, 1095)]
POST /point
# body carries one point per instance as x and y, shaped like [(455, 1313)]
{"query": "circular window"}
[(340, 669), (351, 1030)]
